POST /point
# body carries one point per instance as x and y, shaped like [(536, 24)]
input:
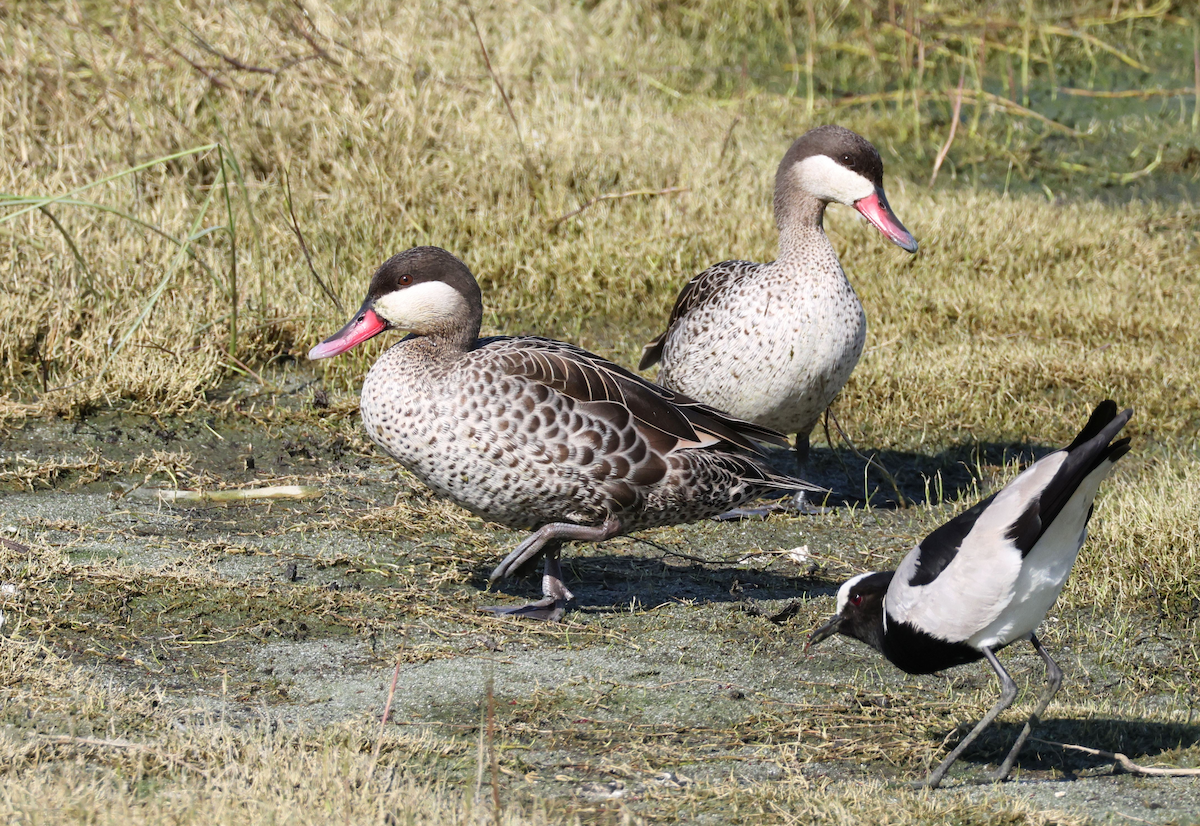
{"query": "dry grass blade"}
[(1117, 94), (95, 742), (1099, 44), (1023, 112)]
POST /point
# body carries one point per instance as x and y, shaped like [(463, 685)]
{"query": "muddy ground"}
[(681, 665)]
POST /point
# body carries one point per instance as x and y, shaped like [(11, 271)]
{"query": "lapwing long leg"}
[(1054, 677), (1008, 693)]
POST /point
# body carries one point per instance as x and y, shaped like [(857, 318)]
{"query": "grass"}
[(386, 140), (168, 172)]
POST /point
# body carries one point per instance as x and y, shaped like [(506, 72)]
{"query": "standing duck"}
[(534, 433), (774, 343), (987, 577)]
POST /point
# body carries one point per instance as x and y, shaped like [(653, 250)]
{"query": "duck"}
[(774, 343), (987, 578), (538, 434)]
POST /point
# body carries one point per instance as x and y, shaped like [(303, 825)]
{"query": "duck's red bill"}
[(363, 326), (875, 209)]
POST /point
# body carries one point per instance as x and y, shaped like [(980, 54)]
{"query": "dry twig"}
[(229, 59), (287, 187), (1124, 762), (871, 460), (487, 61), (387, 709), (941, 155), (235, 495), (613, 196)]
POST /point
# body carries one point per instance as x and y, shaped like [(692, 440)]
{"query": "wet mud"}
[(681, 662)]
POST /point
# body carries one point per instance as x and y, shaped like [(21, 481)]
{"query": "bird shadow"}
[(886, 478), (1142, 741), (607, 583)]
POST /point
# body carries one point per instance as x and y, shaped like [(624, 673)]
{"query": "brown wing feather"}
[(586, 377), (700, 290)]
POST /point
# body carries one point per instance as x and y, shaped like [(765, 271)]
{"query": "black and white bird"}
[(774, 343), (987, 577), (534, 433)]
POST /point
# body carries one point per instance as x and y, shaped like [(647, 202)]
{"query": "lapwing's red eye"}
[(405, 280), (856, 599)]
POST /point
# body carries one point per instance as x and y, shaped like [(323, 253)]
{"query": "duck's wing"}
[(586, 377), (697, 292), (976, 557)]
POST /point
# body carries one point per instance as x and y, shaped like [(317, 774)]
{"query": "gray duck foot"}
[(547, 609), (553, 603)]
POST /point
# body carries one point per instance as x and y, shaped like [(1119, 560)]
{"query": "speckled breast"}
[(774, 349), (472, 435)]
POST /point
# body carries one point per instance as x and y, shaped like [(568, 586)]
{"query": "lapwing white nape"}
[(986, 578)]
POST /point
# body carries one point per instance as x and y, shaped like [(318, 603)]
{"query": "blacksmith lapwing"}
[(987, 577)]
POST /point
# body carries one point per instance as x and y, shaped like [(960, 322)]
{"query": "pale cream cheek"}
[(829, 180), (421, 306)]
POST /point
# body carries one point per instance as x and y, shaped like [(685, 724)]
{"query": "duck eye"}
[(405, 280)]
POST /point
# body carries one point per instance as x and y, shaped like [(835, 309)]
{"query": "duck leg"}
[(1054, 677), (548, 539), (799, 503), (553, 603), (1008, 693)]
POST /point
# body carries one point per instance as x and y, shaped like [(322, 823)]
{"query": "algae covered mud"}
[(193, 193), (677, 689)]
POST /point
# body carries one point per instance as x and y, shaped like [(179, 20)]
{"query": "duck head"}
[(424, 290), (831, 163)]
